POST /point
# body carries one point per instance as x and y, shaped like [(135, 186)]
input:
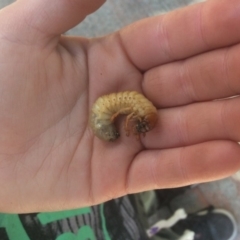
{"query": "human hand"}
[(49, 157)]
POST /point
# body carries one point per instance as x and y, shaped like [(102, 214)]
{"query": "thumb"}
[(44, 19)]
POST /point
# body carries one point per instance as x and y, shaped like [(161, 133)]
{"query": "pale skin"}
[(181, 61)]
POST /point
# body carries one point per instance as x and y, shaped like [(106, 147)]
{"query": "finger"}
[(31, 20), (182, 33), (196, 123), (154, 169), (208, 76)]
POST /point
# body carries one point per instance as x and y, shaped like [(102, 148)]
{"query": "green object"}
[(84, 233), (48, 217)]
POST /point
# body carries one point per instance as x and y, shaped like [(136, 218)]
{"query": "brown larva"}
[(139, 110)]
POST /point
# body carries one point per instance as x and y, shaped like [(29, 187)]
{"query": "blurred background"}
[(115, 14)]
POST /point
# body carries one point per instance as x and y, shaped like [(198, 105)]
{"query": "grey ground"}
[(115, 14)]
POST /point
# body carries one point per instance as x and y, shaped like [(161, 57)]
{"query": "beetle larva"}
[(140, 112)]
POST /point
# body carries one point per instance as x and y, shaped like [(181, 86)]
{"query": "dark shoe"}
[(209, 224)]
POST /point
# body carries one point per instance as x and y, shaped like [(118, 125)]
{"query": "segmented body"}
[(141, 114)]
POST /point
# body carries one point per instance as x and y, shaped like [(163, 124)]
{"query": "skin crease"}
[(181, 61)]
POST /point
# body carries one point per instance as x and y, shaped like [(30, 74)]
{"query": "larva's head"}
[(147, 123)]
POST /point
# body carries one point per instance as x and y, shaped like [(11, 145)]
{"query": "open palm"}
[(49, 157)]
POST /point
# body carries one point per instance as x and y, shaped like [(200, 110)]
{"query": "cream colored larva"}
[(141, 114)]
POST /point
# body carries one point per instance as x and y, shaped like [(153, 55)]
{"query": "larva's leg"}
[(114, 116), (128, 118), (121, 111), (138, 137), (135, 132)]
